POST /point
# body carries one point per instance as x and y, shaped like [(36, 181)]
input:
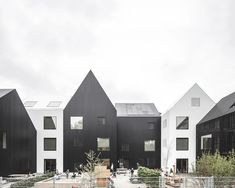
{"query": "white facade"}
[(37, 114), (192, 107)]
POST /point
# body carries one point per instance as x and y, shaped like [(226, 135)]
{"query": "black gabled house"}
[(17, 136), (90, 122), (216, 131), (139, 135)]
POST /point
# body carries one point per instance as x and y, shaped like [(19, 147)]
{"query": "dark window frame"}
[(45, 147), (180, 148), (44, 122), (179, 124), (103, 122)]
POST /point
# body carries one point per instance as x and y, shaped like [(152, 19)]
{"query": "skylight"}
[(30, 103), (54, 103)]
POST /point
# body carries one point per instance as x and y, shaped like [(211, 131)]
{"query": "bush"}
[(149, 176), (147, 172), (215, 165), (31, 181)]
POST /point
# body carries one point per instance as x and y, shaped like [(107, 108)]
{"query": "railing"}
[(186, 182)]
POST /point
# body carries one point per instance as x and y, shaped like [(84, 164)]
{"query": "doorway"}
[(49, 165), (182, 165)]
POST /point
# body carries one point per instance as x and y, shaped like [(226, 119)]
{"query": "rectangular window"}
[(216, 143), (103, 144), (164, 123), (206, 142), (3, 140), (182, 122), (195, 101), (151, 125), (49, 144), (50, 122), (125, 147), (181, 144), (149, 145), (101, 120), (76, 122), (77, 142), (217, 124), (164, 143)]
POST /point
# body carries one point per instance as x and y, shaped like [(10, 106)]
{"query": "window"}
[(30, 103), (195, 101), (217, 124), (206, 142), (50, 122), (151, 125), (49, 144), (101, 120), (54, 104), (181, 144), (182, 122), (164, 123), (216, 143), (77, 142), (3, 140), (164, 143), (125, 147), (149, 145), (103, 144), (76, 122)]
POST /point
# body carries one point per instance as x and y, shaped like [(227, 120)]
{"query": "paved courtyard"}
[(122, 181)]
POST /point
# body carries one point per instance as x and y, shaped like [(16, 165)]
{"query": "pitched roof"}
[(225, 106), (4, 92), (136, 110)]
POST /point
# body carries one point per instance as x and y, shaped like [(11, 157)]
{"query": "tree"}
[(92, 160)]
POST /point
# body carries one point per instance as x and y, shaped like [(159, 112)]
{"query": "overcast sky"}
[(140, 51)]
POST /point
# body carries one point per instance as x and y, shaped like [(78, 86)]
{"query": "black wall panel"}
[(90, 102), (134, 131), (20, 154)]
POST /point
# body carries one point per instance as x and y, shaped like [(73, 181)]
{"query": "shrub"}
[(215, 165), (147, 172), (149, 176), (31, 181)]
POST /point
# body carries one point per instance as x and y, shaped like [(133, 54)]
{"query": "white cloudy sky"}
[(140, 51)]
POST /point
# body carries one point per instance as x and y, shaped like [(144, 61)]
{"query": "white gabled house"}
[(178, 131), (47, 117)]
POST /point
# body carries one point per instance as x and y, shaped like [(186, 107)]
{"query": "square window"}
[(181, 144), (182, 122), (195, 101), (125, 147), (101, 120), (103, 144), (49, 144), (149, 145), (50, 122), (3, 140), (151, 125), (76, 122), (77, 142)]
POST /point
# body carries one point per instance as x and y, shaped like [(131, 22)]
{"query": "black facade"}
[(133, 132), (17, 136), (216, 131), (95, 118)]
